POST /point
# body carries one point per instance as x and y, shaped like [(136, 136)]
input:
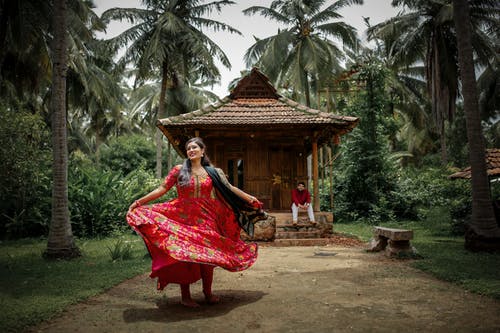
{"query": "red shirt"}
[(300, 197)]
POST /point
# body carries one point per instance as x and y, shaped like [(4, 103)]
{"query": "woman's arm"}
[(153, 195), (243, 195), (170, 180)]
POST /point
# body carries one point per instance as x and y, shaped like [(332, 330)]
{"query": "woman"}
[(190, 235)]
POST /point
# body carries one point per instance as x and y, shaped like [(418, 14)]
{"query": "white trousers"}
[(295, 212)]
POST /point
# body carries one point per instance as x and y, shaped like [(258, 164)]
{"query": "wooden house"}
[(260, 139)]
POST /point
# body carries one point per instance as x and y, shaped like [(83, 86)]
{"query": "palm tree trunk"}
[(161, 115), (307, 92), (98, 123), (60, 241), (442, 140), (483, 233), (330, 173), (169, 152), (98, 143), (4, 12), (318, 99), (439, 96)]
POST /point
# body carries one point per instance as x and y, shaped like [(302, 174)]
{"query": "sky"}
[(235, 46)]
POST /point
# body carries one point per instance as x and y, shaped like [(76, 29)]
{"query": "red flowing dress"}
[(196, 228)]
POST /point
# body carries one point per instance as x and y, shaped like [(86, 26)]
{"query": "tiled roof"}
[(255, 105), (258, 111), (492, 165)]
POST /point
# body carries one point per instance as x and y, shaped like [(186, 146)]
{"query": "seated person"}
[(301, 199)]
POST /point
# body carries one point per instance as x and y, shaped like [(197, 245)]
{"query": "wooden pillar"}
[(315, 174), (336, 139), (321, 164), (330, 174)]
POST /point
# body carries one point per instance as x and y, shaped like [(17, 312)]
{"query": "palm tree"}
[(406, 84), (484, 233), (168, 41), (426, 34), (183, 98), (24, 50), (36, 40), (300, 55), (96, 96), (489, 91), (60, 241), (489, 101)]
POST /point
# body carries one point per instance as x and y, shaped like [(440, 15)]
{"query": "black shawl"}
[(246, 214)]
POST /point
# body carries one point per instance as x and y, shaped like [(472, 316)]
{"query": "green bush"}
[(422, 191), (129, 152), (365, 179), (438, 221), (461, 214), (425, 195), (99, 199), (25, 153)]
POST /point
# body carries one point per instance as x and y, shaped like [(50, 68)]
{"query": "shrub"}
[(438, 220), (128, 153), (99, 199), (461, 214), (26, 156), (120, 250), (429, 195), (426, 195)]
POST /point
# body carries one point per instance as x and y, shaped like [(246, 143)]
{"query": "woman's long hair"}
[(185, 173)]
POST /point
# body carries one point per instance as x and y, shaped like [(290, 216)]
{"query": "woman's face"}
[(194, 151)]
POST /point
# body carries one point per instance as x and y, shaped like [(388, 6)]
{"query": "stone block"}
[(264, 230), (394, 234), (395, 242)]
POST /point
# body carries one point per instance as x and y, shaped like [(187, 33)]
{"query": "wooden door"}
[(282, 177)]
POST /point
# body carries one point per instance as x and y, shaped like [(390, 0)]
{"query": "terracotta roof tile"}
[(255, 104), (257, 111), (492, 165)]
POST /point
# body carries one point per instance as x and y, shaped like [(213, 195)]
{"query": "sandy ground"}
[(293, 289)]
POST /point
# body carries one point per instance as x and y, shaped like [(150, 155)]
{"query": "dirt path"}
[(293, 289)]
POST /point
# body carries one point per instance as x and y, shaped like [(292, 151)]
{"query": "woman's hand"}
[(153, 195), (134, 205), (243, 195)]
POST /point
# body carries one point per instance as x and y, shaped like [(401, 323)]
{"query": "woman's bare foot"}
[(212, 299), (190, 303)]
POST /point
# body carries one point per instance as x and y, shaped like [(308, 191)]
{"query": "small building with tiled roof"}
[(260, 139)]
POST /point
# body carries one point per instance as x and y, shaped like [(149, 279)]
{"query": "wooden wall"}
[(271, 167)]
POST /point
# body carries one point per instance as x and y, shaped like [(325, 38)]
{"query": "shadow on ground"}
[(170, 310)]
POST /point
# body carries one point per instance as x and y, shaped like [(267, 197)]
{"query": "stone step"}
[(298, 225), (298, 229), (302, 242), (297, 234)]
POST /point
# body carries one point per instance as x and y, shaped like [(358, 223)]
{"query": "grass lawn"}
[(444, 257), (33, 289)]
